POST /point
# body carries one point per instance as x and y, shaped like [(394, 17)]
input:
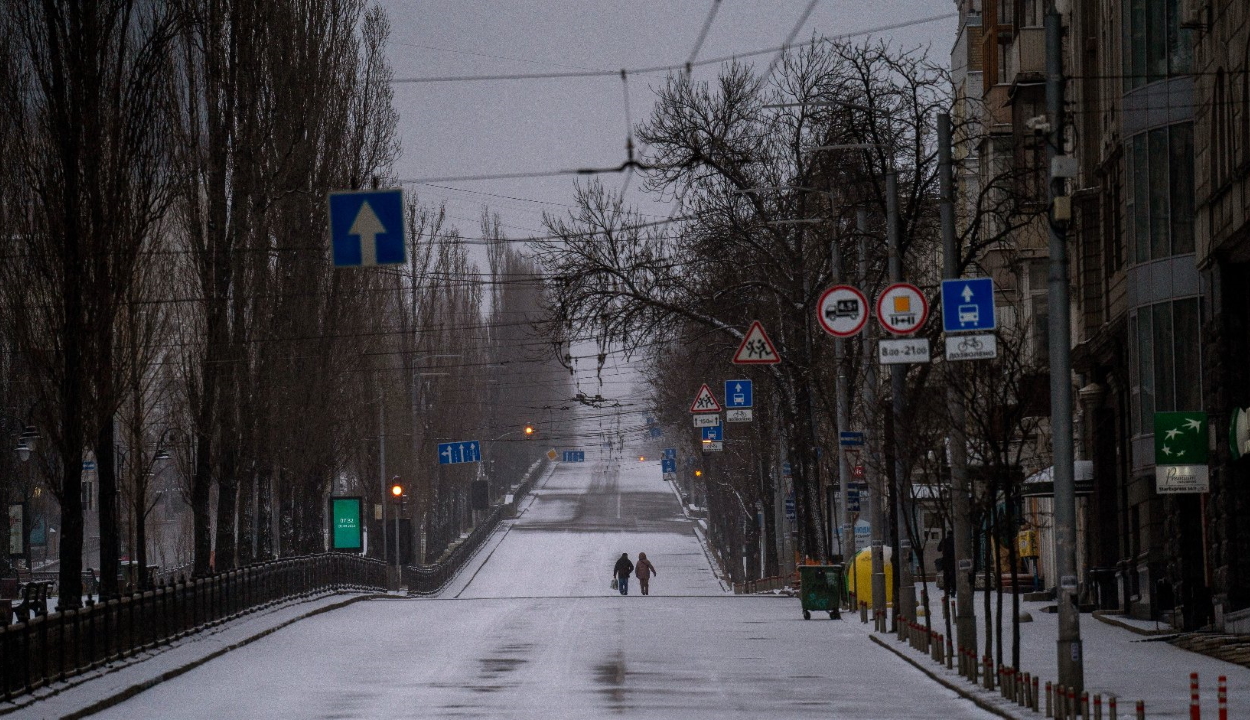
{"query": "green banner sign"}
[(345, 524), (1181, 438), (1181, 442)]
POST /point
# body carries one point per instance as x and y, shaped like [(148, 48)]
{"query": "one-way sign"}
[(367, 228)]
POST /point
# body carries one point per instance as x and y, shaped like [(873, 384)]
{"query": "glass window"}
[(1165, 361), (1160, 219), (1134, 376), (1155, 46), (1141, 200), (1160, 203), (1145, 370), (1186, 322), (1182, 190), (1165, 368)]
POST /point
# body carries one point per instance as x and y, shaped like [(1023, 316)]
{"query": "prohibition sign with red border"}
[(837, 324), (904, 317)]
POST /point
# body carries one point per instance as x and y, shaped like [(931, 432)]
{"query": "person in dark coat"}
[(643, 571), (622, 570)]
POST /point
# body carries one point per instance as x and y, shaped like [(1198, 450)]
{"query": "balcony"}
[(1026, 58)]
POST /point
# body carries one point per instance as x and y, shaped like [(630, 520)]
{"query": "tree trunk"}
[(109, 508)]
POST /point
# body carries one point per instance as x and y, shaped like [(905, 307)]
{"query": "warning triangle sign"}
[(756, 348), (704, 401)]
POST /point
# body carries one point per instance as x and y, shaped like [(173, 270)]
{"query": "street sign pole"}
[(898, 384), (846, 536), (965, 620), (876, 494)]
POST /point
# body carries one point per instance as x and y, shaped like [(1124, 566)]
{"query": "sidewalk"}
[(1119, 661), (108, 685)]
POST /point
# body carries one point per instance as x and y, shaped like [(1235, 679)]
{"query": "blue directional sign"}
[(738, 394), (670, 453), (462, 451), (714, 434), (790, 505), (850, 438), (367, 228), (852, 500), (968, 304), (574, 456), (668, 465)]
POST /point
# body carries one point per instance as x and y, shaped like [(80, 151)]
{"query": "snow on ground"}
[(1117, 662), (535, 632)]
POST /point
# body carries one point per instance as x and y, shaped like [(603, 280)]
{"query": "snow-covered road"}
[(531, 630)]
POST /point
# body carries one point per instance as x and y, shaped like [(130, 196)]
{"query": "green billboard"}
[(345, 524)]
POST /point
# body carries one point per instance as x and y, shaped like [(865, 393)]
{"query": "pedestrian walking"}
[(622, 570), (644, 570)]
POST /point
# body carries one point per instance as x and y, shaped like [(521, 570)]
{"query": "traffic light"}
[(698, 473), (529, 430), (642, 458), (397, 492)]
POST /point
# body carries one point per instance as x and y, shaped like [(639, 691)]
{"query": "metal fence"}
[(429, 579), (53, 647)]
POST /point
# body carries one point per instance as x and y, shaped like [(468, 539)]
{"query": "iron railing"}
[(50, 648)]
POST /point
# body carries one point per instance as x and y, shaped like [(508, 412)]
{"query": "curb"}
[(959, 690), (1102, 617), (126, 693)]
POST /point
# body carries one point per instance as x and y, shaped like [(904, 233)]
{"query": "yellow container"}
[(860, 580)]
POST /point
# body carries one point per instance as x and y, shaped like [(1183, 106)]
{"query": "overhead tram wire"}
[(793, 34), (663, 68)]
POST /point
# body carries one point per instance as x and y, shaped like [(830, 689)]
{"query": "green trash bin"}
[(820, 589)]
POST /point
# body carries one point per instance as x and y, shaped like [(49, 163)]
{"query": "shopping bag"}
[(614, 585)]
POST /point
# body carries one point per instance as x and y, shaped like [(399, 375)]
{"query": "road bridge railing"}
[(53, 647)]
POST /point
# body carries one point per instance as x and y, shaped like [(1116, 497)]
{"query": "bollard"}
[(1112, 713), (950, 654), (1195, 704), (1097, 706), (863, 612), (1141, 710), (1222, 698), (1002, 685), (1059, 706), (1048, 699), (1071, 708), (987, 668), (1035, 689), (1084, 705)]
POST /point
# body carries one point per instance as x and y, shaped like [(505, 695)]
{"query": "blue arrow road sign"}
[(668, 465), (670, 453), (714, 434), (574, 456), (461, 451), (850, 438), (738, 394), (367, 228), (968, 304)]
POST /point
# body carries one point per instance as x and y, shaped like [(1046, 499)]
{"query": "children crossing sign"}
[(704, 401), (1181, 452), (756, 348)]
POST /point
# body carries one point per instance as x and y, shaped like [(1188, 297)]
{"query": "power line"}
[(663, 68)]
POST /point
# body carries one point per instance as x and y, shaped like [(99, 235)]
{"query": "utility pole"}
[(841, 401), (382, 469), (898, 384), (965, 620), (876, 491), (1071, 662)]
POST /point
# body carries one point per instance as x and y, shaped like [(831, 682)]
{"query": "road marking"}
[(618, 506)]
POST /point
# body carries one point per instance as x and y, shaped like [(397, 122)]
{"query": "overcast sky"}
[(518, 126)]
